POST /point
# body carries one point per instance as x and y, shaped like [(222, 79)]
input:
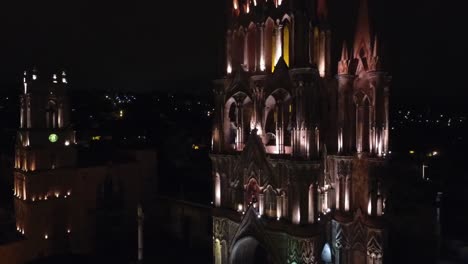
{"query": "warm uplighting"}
[(262, 64), (239, 207), (22, 231), (369, 207), (218, 190), (296, 216), (57, 194), (229, 69)]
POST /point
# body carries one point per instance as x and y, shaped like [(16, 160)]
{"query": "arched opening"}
[(230, 125), (278, 121), (237, 114), (286, 39), (276, 46), (326, 255), (363, 56), (217, 190), (51, 115), (311, 210), (271, 119), (251, 44), (238, 47), (366, 125), (363, 119), (284, 204), (268, 40), (342, 191), (270, 202), (229, 41), (249, 251)]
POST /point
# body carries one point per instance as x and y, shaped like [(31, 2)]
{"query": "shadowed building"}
[(298, 150), (65, 201)]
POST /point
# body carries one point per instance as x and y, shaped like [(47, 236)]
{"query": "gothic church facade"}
[(298, 151)]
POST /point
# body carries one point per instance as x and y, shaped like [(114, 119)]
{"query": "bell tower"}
[(44, 160)]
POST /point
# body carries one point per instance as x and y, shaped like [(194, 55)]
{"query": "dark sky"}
[(133, 45)]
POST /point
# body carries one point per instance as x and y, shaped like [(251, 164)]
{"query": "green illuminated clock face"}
[(53, 138)]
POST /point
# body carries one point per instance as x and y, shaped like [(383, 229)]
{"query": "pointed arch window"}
[(51, 115), (286, 38), (270, 202)]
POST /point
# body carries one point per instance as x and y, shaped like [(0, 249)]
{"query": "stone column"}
[(262, 47), (346, 114), (140, 233)]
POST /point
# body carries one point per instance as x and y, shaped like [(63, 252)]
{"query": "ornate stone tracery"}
[(294, 145)]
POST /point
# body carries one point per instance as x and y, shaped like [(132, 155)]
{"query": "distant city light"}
[(411, 152), (96, 138), (121, 113), (435, 153)]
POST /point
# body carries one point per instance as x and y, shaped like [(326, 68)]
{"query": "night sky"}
[(139, 46)]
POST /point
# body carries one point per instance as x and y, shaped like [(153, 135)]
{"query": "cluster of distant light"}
[(182, 104), (433, 153), (120, 99), (408, 117)]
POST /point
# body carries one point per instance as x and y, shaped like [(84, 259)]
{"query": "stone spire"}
[(362, 37), (375, 51), (344, 52), (322, 10)]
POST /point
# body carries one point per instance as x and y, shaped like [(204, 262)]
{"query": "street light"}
[(423, 171)]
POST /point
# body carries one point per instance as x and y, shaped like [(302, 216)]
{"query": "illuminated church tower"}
[(298, 151), (44, 155)]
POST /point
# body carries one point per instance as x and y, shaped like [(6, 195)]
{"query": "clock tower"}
[(45, 158)]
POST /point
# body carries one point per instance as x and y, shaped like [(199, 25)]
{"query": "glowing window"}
[(286, 44)]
